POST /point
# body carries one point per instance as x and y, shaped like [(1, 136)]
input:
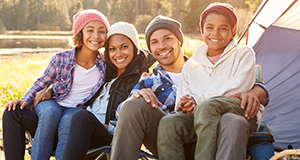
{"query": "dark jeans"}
[(15, 123), (86, 132)]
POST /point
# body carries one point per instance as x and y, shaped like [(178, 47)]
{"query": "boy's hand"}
[(12, 105), (187, 104), (149, 97), (252, 102), (42, 95)]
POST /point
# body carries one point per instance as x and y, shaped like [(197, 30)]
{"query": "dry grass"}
[(18, 75)]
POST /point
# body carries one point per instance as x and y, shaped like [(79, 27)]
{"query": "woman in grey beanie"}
[(126, 62)]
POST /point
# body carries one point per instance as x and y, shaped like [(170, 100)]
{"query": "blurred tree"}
[(58, 14), (142, 22), (102, 6), (253, 4), (75, 8), (89, 4), (63, 18), (7, 14), (237, 4), (2, 27), (122, 10), (195, 8), (34, 13), (21, 12)]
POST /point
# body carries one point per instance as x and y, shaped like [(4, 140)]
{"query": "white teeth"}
[(162, 54), (214, 40), (120, 60), (95, 42)]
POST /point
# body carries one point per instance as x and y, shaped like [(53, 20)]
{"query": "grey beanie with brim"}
[(162, 22)]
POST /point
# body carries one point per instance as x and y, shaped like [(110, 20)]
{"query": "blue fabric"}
[(260, 144), (262, 151), (52, 119), (278, 53)]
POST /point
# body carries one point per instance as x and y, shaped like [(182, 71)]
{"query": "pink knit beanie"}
[(84, 17), (226, 10)]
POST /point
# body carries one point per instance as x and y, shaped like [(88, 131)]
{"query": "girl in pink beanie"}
[(76, 75)]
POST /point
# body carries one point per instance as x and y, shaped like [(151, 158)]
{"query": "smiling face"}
[(165, 48), (120, 51), (94, 36), (217, 33)]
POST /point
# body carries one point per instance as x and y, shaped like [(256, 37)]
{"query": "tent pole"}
[(252, 20)]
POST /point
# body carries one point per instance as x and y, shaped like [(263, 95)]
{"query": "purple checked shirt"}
[(60, 73)]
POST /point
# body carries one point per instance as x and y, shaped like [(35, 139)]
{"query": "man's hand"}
[(187, 104), (42, 95), (252, 102), (106, 126), (12, 105), (149, 97)]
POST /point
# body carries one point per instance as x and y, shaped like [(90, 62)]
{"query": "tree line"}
[(57, 15)]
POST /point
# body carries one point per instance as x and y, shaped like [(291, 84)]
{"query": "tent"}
[(275, 37)]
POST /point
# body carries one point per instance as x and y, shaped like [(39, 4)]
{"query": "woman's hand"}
[(42, 95), (12, 105)]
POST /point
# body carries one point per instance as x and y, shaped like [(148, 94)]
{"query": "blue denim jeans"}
[(14, 125), (53, 119)]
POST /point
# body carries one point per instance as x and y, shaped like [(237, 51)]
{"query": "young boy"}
[(219, 68)]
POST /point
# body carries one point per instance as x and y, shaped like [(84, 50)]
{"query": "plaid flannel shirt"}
[(60, 73), (163, 87)]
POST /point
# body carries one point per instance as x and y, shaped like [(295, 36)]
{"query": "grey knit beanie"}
[(162, 22), (127, 30)]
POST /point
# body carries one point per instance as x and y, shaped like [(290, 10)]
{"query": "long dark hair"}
[(111, 69)]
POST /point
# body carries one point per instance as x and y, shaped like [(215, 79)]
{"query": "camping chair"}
[(287, 154), (99, 152)]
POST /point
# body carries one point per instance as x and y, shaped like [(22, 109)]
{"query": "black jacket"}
[(123, 85)]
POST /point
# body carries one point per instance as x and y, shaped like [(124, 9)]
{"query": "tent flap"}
[(278, 52)]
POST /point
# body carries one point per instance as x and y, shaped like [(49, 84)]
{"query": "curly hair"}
[(77, 40)]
